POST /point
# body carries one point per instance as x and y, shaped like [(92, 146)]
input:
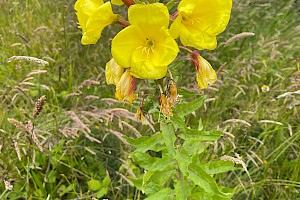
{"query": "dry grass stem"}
[(17, 124), (16, 146), (39, 106), (88, 83), (28, 58), (118, 135), (36, 141), (288, 94), (238, 37), (237, 121), (78, 122), (271, 122), (36, 72)]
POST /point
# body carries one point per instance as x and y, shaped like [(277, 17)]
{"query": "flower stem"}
[(185, 48), (128, 2)]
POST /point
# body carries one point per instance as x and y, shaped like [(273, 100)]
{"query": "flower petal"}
[(125, 43), (166, 49), (143, 68), (117, 2), (154, 16)]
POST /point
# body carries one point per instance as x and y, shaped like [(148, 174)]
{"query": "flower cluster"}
[(150, 40)]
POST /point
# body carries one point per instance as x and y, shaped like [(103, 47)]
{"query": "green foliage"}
[(178, 165)]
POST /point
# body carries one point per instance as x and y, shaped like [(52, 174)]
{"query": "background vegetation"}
[(81, 125)]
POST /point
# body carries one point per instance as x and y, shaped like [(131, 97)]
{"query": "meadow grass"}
[(80, 125)]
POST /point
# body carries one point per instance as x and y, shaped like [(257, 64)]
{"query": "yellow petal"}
[(125, 43), (117, 2), (125, 87), (165, 50), (199, 22), (101, 18), (113, 72), (85, 8), (176, 27), (149, 17), (206, 74), (196, 39)]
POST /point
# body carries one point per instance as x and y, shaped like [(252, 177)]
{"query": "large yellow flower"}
[(146, 45), (200, 21), (93, 17)]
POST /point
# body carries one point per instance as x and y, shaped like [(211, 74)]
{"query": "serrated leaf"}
[(162, 164), (143, 159), (164, 194), (216, 167), (94, 185), (169, 137), (205, 181), (154, 143), (183, 160), (184, 109)]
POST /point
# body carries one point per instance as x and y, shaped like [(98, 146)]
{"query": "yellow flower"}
[(113, 72), (146, 45), (125, 87), (93, 16), (117, 2), (200, 21), (206, 75)]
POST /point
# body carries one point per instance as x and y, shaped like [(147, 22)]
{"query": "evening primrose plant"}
[(146, 48)]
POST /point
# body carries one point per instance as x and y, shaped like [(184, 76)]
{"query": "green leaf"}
[(144, 160), (216, 167), (184, 109), (106, 180), (178, 122), (205, 181), (154, 143), (95, 185), (183, 160), (164, 194), (169, 137), (193, 147), (102, 192), (183, 189), (201, 135), (171, 4), (38, 182), (162, 164), (136, 141), (187, 93)]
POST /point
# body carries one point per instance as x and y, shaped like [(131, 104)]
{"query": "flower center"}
[(149, 47)]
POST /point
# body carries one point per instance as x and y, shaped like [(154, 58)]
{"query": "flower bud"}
[(125, 87), (206, 75), (113, 72)]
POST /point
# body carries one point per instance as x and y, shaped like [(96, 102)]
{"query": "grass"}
[(79, 136)]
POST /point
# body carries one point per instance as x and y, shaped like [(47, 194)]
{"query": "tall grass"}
[(80, 125)]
